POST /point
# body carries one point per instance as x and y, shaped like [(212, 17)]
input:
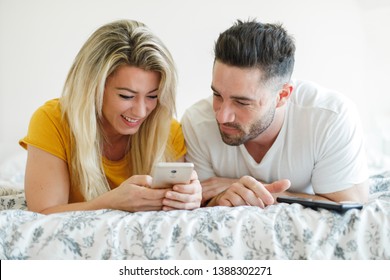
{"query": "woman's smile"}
[(131, 122)]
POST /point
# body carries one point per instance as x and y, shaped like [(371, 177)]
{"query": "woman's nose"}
[(139, 109)]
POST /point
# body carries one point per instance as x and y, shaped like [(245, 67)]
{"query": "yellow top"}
[(48, 131)]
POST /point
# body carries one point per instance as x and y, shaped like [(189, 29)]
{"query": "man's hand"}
[(214, 186), (249, 191)]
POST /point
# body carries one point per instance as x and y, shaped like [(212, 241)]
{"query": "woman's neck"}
[(115, 149)]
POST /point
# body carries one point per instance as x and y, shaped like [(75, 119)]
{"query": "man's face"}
[(244, 108)]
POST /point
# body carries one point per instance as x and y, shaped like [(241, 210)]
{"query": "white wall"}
[(342, 44)]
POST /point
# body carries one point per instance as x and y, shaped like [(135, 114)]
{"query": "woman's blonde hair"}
[(123, 42)]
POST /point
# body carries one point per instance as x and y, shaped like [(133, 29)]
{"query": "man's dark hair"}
[(253, 44)]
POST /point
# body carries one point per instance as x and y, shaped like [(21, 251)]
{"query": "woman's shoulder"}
[(176, 138), (175, 127), (47, 130), (50, 115), (51, 109), (175, 124)]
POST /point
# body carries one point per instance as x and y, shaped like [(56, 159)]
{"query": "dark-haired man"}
[(262, 135)]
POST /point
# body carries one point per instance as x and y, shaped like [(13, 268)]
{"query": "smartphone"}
[(167, 174), (314, 204)]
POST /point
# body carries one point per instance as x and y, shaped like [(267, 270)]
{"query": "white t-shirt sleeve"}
[(197, 151), (341, 160)]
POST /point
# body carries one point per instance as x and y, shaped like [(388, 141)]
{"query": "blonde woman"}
[(93, 147)]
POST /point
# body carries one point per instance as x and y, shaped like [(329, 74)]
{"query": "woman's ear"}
[(284, 94)]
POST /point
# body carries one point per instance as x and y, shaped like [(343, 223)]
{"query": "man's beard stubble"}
[(255, 129)]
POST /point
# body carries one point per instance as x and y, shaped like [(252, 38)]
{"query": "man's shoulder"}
[(199, 112), (309, 94)]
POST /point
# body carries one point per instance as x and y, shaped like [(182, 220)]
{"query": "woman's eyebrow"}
[(134, 91)]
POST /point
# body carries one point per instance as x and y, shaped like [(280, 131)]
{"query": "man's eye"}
[(216, 95), (242, 103)]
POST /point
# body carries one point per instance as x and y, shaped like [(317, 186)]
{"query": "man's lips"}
[(226, 128)]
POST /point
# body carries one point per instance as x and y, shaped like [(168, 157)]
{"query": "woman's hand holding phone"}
[(186, 190)]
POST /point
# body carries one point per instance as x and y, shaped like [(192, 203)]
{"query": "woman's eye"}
[(152, 96), (125, 96)]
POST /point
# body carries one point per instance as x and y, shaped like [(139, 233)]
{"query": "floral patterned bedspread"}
[(280, 231)]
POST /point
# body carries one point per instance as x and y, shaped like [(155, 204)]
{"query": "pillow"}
[(12, 170)]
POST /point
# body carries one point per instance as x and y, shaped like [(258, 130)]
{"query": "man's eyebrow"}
[(213, 89), (235, 97), (134, 91)]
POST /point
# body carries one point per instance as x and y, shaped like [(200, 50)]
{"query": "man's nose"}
[(225, 114)]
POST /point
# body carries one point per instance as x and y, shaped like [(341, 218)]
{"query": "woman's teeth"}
[(129, 119)]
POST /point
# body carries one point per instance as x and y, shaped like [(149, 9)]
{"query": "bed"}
[(279, 231)]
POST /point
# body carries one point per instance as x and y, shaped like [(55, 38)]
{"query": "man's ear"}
[(284, 94)]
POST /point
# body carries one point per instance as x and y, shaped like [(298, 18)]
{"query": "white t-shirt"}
[(320, 147)]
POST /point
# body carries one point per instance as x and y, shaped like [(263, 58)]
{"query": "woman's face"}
[(130, 95)]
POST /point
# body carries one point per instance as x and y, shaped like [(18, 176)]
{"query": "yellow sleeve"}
[(47, 131), (176, 140)]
